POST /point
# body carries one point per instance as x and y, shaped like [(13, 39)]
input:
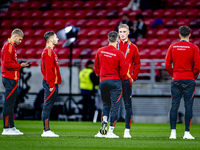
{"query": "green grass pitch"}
[(80, 136)]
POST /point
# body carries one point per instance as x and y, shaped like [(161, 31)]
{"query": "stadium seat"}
[(169, 13), (93, 33), (76, 53), (175, 40), (58, 14), (63, 53), (180, 13), (121, 12), (89, 5), (59, 24), (35, 5), (101, 14), (26, 14), (28, 33), (162, 33), (91, 14), (151, 33), (103, 23), (144, 54), (85, 53), (27, 24), (60, 43), (141, 43), (36, 14), (83, 33), (163, 53), (38, 53), (48, 23), (39, 33), (148, 22), (192, 13), (195, 33), (4, 15), (178, 4), (30, 53), (84, 43), (78, 5), (158, 13), (152, 43), (112, 14), (29, 42), (40, 43), (197, 4), (15, 14), (16, 24), (104, 33), (147, 13), (110, 5), (165, 43), (195, 23), (100, 5), (14, 6), (173, 33), (80, 14), (6, 24), (121, 4), (93, 53), (113, 23), (171, 23), (24, 6), (20, 52), (183, 22), (104, 42), (189, 4), (67, 4), (47, 14), (197, 42), (133, 13), (56, 5), (6, 33), (37, 24), (69, 14), (81, 23), (92, 23), (155, 54), (70, 22)]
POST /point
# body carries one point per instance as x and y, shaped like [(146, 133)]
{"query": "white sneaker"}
[(127, 134), (49, 134), (111, 135), (172, 136), (187, 135), (11, 131), (99, 135)]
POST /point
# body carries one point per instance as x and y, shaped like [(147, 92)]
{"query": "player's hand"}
[(50, 89), (24, 64)]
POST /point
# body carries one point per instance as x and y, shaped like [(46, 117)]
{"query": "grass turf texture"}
[(80, 135)]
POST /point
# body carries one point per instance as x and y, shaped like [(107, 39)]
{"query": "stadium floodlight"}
[(69, 33)]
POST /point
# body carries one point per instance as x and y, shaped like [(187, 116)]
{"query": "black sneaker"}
[(103, 129)]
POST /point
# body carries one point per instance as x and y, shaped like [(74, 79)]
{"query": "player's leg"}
[(49, 99), (176, 94), (127, 94), (8, 110), (115, 95), (188, 92)]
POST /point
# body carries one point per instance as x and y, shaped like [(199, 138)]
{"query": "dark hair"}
[(89, 62), (184, 31), (18, 32), (112, 36), (125, 14), (48, 34), (138, 16)]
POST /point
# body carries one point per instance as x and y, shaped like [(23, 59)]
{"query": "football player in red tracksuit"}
[(10, 76), (186, 65), (51, 79), (133, 62), (110, 66)]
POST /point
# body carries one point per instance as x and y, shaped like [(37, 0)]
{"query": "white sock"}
[(111, 128), (173, 131), (105, 118), (187, 132), (127, 130)]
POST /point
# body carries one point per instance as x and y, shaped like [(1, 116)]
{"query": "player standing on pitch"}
[(184, 56)]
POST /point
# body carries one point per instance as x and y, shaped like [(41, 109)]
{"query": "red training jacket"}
[(9, 64), (185, 59), (50, 67), (132, 58), (110, 64)]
